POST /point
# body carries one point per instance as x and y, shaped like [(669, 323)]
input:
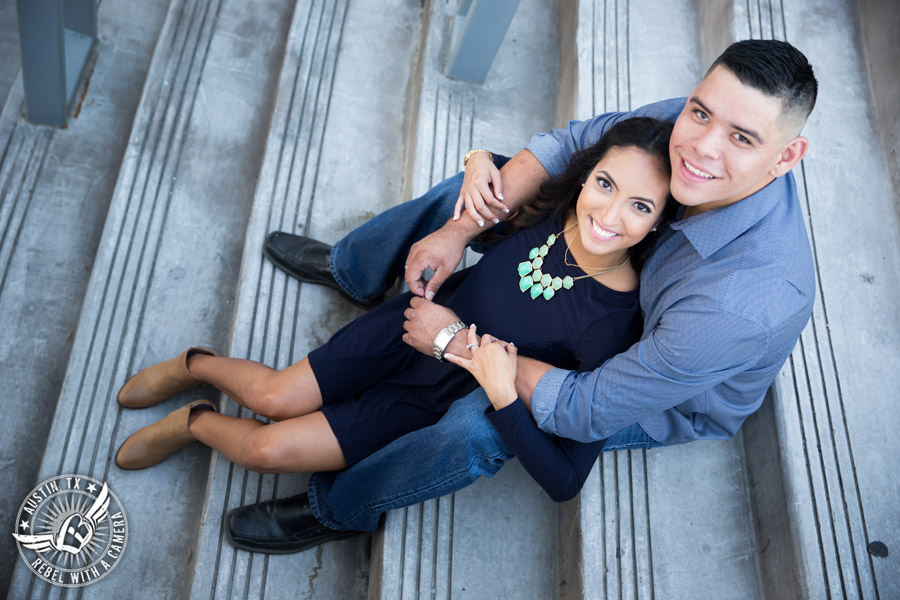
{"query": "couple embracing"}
[(647, 275)]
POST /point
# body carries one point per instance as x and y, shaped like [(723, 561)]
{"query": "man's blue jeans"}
[(426, 464), (369, 260)]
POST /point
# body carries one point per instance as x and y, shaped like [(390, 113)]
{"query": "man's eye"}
[(741, 138), (701, 115)]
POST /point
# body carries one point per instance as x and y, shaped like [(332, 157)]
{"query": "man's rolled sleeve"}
[(543, 399), (555, 148)]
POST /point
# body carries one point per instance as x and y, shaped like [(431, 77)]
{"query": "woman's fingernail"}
[(481, 223), (500, 195), (456, 217), (429, 295), (506, 210), (496, 221)]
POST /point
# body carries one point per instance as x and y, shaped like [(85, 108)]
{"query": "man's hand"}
[(424, 320), (441, 252), (481, 188)]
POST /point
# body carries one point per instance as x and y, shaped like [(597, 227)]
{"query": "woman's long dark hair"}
[(561, 193)]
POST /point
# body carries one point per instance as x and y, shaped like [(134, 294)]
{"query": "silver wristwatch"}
[(442, 340)]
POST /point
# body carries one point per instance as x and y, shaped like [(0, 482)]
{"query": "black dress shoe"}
[(307, 260), (279, 526)]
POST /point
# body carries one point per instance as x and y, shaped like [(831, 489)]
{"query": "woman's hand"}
[(476, 193), (493, 364)]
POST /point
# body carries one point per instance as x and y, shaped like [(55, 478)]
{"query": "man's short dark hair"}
[(775, 68)]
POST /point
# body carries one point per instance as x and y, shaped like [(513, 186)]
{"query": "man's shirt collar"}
[(712, 230)]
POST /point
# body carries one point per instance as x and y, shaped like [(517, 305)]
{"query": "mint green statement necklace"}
[(537, 283)]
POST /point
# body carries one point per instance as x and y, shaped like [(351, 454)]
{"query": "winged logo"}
[(76, 531)]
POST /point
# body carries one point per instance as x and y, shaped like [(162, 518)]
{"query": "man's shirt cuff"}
[(545, 397)]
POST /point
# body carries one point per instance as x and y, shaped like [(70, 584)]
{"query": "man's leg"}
[(428, 463), (366, 263), (421, 465)]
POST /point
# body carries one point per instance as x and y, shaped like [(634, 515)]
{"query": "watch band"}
[(471, 152), (442, 339)]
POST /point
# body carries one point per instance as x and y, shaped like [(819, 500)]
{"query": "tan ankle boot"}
[(160, 381), (155, 443)]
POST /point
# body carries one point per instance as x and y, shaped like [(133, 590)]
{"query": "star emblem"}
[(91, 488), (24, 525)]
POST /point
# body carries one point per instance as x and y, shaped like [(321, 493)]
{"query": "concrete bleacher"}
[(137, 231)]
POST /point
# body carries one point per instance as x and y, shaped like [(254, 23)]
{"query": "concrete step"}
[(334, 158), (165, 269), (833, 416), (55, 188), (645, 518), (442, 548)]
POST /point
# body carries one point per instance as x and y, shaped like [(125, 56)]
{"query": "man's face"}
[(726, 143)]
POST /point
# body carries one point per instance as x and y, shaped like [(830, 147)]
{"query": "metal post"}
[(56, 38), (478, 31)]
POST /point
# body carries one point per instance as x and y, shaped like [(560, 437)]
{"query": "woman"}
[(573, 303)]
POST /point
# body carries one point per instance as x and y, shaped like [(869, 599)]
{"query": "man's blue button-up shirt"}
[(725, 297)]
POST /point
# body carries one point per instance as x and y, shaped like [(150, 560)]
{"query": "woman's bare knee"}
[(264, 454), (277, 397)]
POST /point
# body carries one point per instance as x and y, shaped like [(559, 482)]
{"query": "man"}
[(725, 297)]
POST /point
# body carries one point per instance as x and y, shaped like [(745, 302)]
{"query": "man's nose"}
[(707, 143)]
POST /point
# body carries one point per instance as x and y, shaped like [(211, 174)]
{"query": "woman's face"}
[(621, 201)]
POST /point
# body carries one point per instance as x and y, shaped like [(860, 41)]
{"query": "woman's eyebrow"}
[(613, 181), (608, 176)]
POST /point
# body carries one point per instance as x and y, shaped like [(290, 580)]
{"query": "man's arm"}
[(675, 363), (442, 250), (528, 373)]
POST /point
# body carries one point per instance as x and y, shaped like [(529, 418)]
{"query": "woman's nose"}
[(609, 213)]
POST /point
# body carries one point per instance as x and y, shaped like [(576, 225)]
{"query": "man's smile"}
[(695, 171)]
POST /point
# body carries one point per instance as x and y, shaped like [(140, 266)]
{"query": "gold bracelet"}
[(471, 152)]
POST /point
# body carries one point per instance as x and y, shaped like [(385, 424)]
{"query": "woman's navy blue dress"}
[(375, 388)]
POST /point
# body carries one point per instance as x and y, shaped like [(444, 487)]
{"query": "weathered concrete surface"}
[(880, 21), (334, 157), (55, 188), (165, 270)]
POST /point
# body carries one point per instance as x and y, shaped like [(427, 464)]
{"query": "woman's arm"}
[(559, 466)]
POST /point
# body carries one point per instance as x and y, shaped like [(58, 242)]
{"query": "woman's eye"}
[(643, 207), (604, 183)]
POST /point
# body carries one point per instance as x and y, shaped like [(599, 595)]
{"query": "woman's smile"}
[(601, 233)]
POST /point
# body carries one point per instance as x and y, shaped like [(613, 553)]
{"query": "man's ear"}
[(792, 153)]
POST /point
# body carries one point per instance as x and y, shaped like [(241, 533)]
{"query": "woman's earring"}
[(654, 229), (582, 185)]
